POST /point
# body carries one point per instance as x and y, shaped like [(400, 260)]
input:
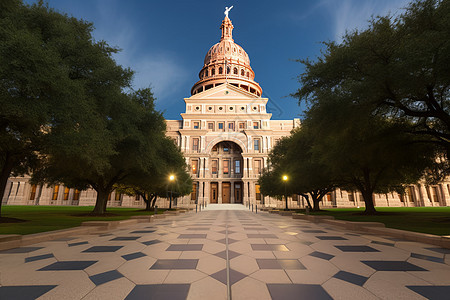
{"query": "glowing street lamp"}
[(171, 179), (285, 179)]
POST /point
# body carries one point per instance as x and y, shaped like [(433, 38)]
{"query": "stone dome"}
[(227, 62)]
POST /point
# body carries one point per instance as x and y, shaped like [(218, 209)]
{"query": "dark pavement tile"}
[(39, 257), (262, 235), (351, 277), (356, 248), (125, 238), (176, 264), (101, 278), (321, 255), (331, 238), (143, 231), (235, 276), (24, 292), (269, 247), (392, 265), (428, 257), (439, 250), (132, 256), (231, 254), (185, 247), (152, 242), (77, 244), (159, 292), (192, 236), (230, 241), (297, 291), (313, 231), (431, 292), (287, 264), (68, 265), (103, 249), (383, 243)]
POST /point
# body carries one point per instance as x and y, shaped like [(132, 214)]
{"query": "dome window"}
[(220, 108), (235, 71), (220, 70), (242, 72), (213, 72), (242, 108), (228, 70), (248, 74), (206, 73), (210, 108)]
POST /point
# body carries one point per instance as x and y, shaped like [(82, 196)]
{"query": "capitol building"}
[(225, 134)]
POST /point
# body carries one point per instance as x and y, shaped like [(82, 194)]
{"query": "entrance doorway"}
[(226, 187), (237, 192), (214, 192)]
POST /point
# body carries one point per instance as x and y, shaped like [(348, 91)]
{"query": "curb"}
[(379, 229), (10, 241)]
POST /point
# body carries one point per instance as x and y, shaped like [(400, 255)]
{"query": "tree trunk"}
[(148, 204), (307, 200), (4, 175), (154, 200), (316, 200), (368, 200), (102, 200)]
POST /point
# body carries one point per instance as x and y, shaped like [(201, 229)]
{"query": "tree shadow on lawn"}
[(5, 220)]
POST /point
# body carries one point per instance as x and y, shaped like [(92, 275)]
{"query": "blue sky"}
[(165, 42)]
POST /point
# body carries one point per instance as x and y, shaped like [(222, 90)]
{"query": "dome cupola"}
[(227, 62)]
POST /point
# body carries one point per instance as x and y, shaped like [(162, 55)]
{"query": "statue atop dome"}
[(227, 10)]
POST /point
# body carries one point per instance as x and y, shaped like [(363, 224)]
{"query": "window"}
[(33, 192), (214, 148), (255, 125), (231, 126), (213, 72), (117, 196), (76, 195), (211, 126), (242, 72), (237, 166), (66, 193), (225, 148), (248, 74), (220, 70), (351, 197), (194, 166), (194, 192), (137, 197), (195, 142), (256, 144), (214, 167), (226, 166), (196, 125), (55, 192), (206, 73), (242, 125), (220, 126), (228, 70), (257, 167), (435, 193), (258, 192), (235, 71)]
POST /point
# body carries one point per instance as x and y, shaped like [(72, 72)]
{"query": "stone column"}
[(250, 168), (232, 192), (445, 195), (200, 191), (424, 195), (219, 192)]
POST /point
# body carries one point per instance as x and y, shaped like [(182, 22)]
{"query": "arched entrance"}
[(226, 173)]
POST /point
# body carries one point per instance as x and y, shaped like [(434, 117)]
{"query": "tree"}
[(156, 183), (366, 152), (400, 66), (52, 78), (293, 156), (137, 133)]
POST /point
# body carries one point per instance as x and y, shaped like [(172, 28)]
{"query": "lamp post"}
[(285, 179), (171, 179)]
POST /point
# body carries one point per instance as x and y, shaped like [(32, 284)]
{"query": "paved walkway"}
[(213, 254)]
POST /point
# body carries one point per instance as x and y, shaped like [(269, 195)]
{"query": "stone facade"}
[(225, 134)]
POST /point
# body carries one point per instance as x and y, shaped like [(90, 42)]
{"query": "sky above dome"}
[(165, 42)]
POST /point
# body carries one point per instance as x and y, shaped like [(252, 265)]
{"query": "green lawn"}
[(434, 220), (47, 218)]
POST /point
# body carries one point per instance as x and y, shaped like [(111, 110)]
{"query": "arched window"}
[(242, 72), (248, 74), (213, 72), (228, 70), (206, 73), (235, 71), (220, 70)]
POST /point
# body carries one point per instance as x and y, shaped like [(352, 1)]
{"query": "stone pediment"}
[(224, 92)]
